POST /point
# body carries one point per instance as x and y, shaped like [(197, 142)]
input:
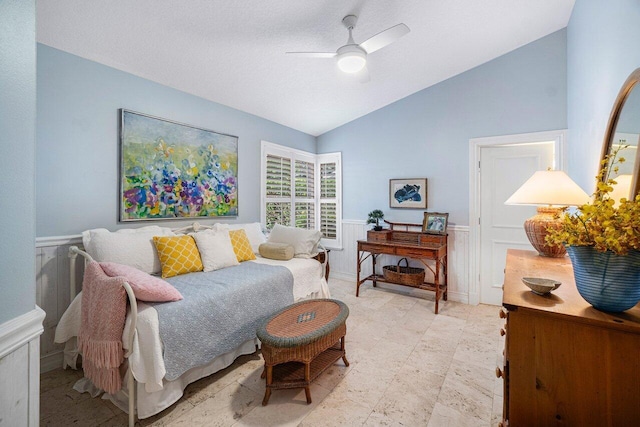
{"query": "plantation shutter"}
[(278, 182), (305, 195), (303, 190), (278, 190), (328, 218), (330, 215)]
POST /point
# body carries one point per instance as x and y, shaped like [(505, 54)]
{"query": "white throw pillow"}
[(304, 242), (216, 250), (253, 230), (130, 246)]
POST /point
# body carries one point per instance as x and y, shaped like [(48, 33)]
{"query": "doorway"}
[(499, 166)]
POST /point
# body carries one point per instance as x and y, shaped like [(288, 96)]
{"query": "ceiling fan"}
[(352, 57)]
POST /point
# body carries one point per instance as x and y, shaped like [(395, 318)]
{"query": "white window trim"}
[(269, 148)]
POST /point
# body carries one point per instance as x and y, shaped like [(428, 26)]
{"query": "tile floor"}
[(408, 367)]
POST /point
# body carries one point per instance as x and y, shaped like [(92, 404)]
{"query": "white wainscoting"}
[(343, 262), (20, 369), (52, 292)]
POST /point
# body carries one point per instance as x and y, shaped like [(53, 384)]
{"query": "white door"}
[(503, 169)]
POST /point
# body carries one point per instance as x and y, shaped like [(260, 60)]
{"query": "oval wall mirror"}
[(623, 130)]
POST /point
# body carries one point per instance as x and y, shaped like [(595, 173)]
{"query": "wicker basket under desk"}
[(410, 276)]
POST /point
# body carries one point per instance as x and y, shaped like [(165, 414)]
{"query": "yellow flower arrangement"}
[(600, 223)]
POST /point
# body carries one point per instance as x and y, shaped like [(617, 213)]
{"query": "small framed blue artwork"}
[(408, 193)]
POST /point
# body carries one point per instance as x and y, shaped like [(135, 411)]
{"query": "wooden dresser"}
[(565, 363)]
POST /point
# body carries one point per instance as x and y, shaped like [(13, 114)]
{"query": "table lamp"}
[(550, 191)]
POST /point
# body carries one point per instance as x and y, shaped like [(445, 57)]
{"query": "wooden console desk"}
[(565, 363), (429, 249)]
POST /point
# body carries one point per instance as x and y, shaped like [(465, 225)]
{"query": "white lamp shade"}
[(553, 188)]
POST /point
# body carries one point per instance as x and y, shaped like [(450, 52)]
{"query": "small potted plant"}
[(374, 218), (603, 242)]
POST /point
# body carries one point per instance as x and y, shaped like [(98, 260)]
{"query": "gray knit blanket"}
[(220, 310)]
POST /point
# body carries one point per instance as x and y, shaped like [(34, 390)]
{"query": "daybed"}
[(253, 294)]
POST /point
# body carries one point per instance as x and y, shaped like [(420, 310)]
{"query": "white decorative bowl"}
[(541, 286)]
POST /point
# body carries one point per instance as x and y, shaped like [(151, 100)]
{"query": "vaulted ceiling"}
[(233, 52)]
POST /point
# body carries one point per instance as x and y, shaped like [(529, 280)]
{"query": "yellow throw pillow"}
[(241, 245), (178, 255)]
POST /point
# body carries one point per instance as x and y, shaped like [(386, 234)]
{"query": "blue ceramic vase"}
[(609, 282)]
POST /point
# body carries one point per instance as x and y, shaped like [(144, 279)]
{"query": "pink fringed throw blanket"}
[(104, 309)]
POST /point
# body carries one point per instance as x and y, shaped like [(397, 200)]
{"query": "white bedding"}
[(154, 393)]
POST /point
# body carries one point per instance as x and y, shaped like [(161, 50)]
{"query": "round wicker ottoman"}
[(300, 341)]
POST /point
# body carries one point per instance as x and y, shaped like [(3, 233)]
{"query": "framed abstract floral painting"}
[(171, 170), (408, 193)]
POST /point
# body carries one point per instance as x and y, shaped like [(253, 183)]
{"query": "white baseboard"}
[(458, 297), (342, 276), (51, 361)]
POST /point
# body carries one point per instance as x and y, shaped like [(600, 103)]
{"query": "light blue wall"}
[(603, 40), (567, 79), (77, 140), (427, 134), (17, 156)]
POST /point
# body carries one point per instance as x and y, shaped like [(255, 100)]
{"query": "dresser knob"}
[(503, 314), (498, 373), (502, 332)]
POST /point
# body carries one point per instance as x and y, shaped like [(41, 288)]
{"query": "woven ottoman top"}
[(303, 323)]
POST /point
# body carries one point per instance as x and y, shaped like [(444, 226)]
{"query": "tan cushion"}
[(279, 251)]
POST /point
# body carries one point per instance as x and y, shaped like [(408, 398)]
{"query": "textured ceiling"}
[(232, 52)]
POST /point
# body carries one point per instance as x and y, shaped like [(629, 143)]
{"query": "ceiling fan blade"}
[(384, 38), (313, 54)]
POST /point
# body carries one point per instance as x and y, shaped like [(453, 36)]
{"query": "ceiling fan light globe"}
[(351, 59)]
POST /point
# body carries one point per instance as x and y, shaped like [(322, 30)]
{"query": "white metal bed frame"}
[(74, 251)]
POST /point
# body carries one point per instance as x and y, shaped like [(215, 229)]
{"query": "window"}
[(328, 197), (305, 195), (278, 190), (303, 190)]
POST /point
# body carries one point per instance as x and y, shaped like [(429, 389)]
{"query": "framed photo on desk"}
[(435, 223)]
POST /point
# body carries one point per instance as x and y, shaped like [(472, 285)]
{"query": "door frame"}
[(475, 146)]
